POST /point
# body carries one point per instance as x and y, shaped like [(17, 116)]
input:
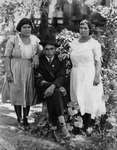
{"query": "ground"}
[(11, 138)]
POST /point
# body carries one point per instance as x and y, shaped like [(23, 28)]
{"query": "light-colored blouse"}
[(16, 48)]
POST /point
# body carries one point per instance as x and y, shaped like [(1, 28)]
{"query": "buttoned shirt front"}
[(50, 59)]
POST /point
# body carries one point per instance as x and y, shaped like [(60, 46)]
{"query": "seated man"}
[(50, 77)]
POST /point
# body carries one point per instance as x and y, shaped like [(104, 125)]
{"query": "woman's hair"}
[(24, 21), (85, 21)]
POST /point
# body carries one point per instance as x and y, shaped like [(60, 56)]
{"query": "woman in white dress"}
[(85, 84)]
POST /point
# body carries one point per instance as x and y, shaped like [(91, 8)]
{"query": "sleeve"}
[(38, 75), (97, 51), (9, 47), (60, 78), (72, 44), (39, 79), (38, 46)]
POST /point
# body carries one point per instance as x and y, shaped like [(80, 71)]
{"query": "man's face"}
[(49, 50)]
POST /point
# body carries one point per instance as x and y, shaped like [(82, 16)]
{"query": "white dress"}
[(89, 97)]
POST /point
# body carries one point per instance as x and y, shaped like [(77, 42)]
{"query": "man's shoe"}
[(65, 131), (55, 136)]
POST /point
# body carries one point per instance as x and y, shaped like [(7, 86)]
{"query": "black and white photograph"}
[(58, 75)]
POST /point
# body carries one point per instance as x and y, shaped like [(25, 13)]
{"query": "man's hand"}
[(49, 91), (63, 91), (60, 56)]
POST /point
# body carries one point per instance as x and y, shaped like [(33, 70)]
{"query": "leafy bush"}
[(2, 67)]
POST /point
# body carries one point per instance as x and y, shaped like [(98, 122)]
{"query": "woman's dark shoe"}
[(20, 124), (26, 125), (55, 136)]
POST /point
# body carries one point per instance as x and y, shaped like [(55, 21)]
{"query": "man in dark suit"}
[(50, 77)]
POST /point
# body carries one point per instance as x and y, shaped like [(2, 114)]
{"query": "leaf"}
[(75, 111), (111, 119), (72, 144), (66, 118), (105, 97), (72, 104), (69, 127), (70, 111), (78, 124)]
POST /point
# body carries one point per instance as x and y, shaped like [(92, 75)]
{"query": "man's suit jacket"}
[(47, 74)]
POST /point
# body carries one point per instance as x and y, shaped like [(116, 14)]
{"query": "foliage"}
[(7, 15), (12, 11), (105, 129), (72, 117), (2, 67), (106, 133)]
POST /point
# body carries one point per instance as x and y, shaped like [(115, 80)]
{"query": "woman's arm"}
[(97, 73), (97, 68), (97, 60), (39, 52), (9, 75), (35, 62), (36, 57), (8, 63)]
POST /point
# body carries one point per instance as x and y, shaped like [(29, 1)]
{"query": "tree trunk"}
[(44, 28)]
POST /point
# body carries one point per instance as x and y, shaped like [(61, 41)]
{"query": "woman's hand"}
[(96, 80), (35, 62), (9, 76)]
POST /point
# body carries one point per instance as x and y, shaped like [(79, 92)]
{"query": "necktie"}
[(50, 60)]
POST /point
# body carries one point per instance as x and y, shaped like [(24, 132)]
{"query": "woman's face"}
[(26, 29), (84, 30)]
